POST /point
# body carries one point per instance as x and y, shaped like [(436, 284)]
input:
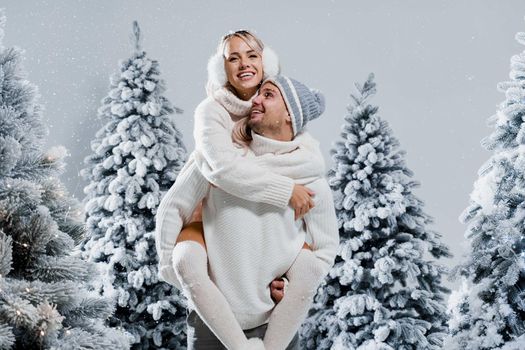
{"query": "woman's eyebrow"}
[(238, 54)]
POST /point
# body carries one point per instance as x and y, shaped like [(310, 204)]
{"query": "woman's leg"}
[(199, 335), (304, 277), (190, 262)]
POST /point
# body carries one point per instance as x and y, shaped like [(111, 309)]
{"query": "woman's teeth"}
[(246, 75)]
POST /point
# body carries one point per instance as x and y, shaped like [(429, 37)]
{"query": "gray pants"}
[(200, 337)]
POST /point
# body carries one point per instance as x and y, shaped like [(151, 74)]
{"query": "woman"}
[(235, 73)]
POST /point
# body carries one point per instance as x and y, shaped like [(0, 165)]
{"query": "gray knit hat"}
[(303, 103)]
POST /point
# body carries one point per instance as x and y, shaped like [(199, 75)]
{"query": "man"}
[(248, 244)]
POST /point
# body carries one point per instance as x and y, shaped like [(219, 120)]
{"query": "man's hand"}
[(301, 200), (277, 290)]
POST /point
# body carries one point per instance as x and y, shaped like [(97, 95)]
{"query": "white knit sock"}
[(304, 277), (190, 262)]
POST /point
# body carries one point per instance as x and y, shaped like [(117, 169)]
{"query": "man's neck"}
[(262, 144), (282, 134)]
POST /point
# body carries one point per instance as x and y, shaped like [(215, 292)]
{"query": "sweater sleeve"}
[(221, 163), (175, 211), (303, 165), (321, 225)]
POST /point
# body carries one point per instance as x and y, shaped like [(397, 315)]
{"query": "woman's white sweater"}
[(221, 163), (248, 243)]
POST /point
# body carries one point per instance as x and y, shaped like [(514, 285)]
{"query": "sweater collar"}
[(234, 105), (261, 145)]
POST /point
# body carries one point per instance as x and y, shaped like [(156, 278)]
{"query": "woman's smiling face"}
[(243, 66)]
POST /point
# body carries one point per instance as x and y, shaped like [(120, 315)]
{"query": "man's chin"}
[(255, 126), (252, 123)]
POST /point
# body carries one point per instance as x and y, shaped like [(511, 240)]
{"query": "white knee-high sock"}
[(190, 262), (304, 277)]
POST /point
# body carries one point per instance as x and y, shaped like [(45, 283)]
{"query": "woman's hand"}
[(301, 200)]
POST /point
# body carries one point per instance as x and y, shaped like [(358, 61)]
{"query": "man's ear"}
[(288, 117)]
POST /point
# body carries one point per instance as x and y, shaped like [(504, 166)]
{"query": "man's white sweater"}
[(248, 243)]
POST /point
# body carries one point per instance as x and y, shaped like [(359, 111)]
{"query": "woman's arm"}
[(221, 163), (175, 210), (303, 165)]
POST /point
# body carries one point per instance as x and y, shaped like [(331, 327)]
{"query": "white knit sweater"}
[(248, 243), (223, 165)]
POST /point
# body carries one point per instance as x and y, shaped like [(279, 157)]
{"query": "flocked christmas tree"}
[(384, 290), (488, 312), (136, 158), (44, 299)]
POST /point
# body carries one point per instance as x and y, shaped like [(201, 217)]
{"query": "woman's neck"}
[(236, 107), (245, 95)]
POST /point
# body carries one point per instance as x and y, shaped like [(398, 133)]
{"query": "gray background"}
[(436, 64)]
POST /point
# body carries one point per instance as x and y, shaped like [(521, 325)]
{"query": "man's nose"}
[(256, 100)]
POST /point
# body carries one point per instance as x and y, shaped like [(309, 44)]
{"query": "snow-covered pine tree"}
[(136, 157), (44, 299), (383, 291), (488, 311)]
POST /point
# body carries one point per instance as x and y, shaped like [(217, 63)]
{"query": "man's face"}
[(268, 113)]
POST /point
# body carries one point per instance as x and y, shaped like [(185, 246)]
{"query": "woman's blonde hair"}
[(242, 133), (249, 38)]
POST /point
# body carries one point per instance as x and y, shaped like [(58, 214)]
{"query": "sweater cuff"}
[(322, 264), (286, 283), (279, 192), (325, 267)]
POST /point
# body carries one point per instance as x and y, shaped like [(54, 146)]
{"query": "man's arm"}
[(321, 225), (175, 210)]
